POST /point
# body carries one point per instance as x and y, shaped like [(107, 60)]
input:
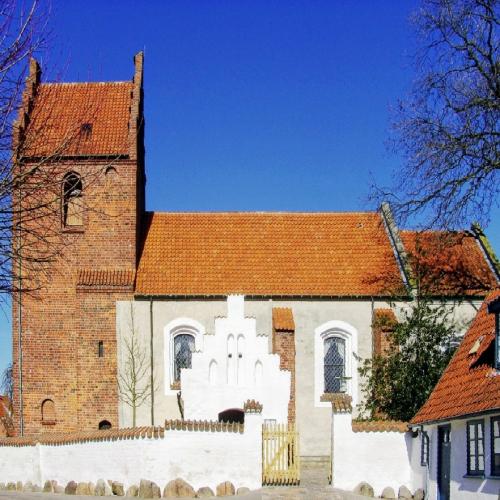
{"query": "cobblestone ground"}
[(302, 492)]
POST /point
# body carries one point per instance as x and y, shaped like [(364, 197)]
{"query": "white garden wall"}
[(202, 458), (378, 458)]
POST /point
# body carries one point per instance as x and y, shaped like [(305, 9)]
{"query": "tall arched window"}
[(183, 348), (335, 361), (182, 338), (334, 370), (48, 412), (72, 207)]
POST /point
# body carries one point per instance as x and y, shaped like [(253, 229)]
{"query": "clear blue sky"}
[(250, 105)]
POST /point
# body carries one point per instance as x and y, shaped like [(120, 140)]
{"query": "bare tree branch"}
[(448, 128)]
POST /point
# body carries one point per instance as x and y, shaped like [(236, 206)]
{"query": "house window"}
[(183, 349), (495, 446), (48, 412), (100, 349), (424, 448), (475, 447), (335, 361), (72, 208), (182, 337), (334, 364)]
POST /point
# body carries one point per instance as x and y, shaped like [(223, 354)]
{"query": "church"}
[(146, 316)]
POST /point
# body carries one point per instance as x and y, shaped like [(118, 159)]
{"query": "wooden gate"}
[(280, 455)]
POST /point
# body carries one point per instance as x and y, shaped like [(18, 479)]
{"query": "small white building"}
[(459, 425)]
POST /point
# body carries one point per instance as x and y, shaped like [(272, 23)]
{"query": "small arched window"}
[(335, 365), (104, 424), (48, 412), (72, 207), (183, 350)]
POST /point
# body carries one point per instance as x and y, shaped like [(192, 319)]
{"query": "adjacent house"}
[(219, 307), (459, 424)]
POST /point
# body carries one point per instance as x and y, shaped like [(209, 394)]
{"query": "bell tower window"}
[(72, 206)]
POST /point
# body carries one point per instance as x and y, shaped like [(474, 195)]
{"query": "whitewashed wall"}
[(462, 488), (200, 458), (235, 365), (378, 458)]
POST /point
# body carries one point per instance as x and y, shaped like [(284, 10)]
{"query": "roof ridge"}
[(111, 82), (261, 212)]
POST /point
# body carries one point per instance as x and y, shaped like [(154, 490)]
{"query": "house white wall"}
[(462, 488), (202, 458), (313, 417)]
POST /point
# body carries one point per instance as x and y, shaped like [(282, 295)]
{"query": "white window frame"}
[(349, 334), (179, 326)]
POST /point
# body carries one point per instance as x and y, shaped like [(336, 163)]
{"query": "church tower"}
[(86, 142)]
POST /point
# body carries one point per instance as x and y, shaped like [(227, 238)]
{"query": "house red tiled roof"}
[(60, 110), (449, 263), (283, 319), (469, 384), (266, 254)]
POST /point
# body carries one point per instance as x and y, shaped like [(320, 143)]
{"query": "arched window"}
[(104, 425), (182, 338), (335, 361), (72, 207), (334, 370), (183, 348), (48, 412)]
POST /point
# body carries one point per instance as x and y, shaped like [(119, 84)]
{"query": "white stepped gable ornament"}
[(234, 366)]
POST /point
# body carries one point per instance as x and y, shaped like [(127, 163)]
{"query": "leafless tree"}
[(7, 383), (448, 128), (34, 143), (134, 381)]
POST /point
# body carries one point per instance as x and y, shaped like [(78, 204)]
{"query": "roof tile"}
[(469, 384), (61, 109), (280, 254)]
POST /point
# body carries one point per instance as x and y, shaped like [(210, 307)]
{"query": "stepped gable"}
[(266, 254), (470, 384)]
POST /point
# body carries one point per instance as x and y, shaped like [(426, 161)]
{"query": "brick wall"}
[(284, 345), (62, 324), (384, 321)]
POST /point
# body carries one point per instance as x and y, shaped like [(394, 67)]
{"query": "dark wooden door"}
[(444, 456)]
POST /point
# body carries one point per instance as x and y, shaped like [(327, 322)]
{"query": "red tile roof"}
[(449, 263), (469, 384), (60, 110), (277, 254), (105, 277), (283, 319)]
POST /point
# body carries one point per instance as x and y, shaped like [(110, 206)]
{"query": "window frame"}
[(350, 335), (67, 196), (424, 448), (477, 423), (332, 366), (176, 337), (494, 471), (176, 327)]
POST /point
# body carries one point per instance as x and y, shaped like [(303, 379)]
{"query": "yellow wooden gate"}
[(280, 454)]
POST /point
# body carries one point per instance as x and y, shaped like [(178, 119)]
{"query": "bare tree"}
[(7, 383), (448, 128), (134, 381), (36, 137)]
